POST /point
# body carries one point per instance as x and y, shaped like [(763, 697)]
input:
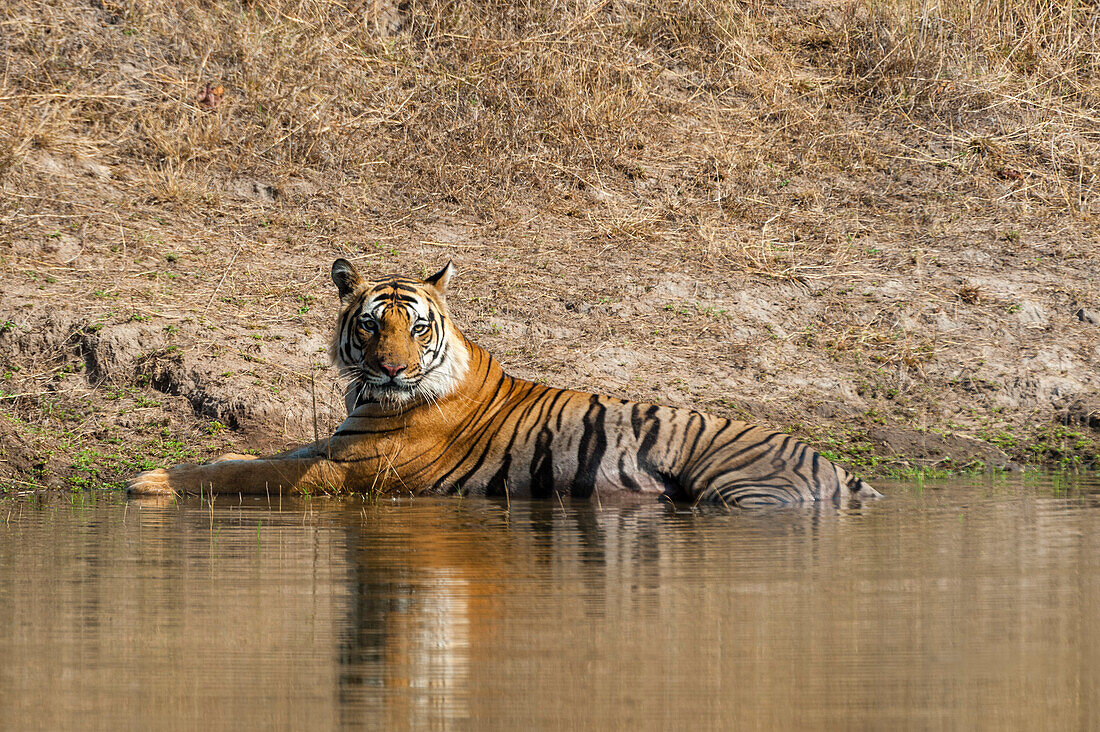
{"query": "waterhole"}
[(961, 604)]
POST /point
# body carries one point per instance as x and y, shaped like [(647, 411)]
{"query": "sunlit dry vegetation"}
[(481, 102)]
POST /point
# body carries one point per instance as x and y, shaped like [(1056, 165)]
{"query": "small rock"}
[(302, 188), (209, 96), (564, 334), (833, 410), (508, 327), (61, 247), (385, 17), (1086, 315), (1083, 412), (46, 163), (597, 195), (1056, 359), (95, 170), (254, 189), (675, 286), (944, 323), (975, 256), (1032, 314)]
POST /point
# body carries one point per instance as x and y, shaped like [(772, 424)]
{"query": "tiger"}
[(431, 412)]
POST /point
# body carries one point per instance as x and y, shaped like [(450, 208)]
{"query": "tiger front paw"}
[(151, 483)]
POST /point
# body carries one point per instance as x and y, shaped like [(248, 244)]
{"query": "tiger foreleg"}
[(254, 476)]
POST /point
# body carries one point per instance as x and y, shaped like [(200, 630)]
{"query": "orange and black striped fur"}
[(431, 412)]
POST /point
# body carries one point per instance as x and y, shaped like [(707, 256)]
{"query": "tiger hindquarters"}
[(746, 488), (861, 489), (753, 493)]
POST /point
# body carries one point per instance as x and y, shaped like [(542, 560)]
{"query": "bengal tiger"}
[(430, 412)]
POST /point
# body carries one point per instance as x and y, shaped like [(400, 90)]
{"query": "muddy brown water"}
[(958, 604)]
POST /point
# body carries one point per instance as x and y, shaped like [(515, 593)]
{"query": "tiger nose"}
[(391, 369)]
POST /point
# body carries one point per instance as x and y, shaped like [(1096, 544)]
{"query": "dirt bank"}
[(875, 229)]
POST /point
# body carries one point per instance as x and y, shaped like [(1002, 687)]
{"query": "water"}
[(953, 605)]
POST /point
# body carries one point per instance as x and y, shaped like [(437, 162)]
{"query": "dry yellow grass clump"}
[(889, 182), (479, 101)]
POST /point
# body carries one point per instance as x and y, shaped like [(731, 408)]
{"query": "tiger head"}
[(395, 339)]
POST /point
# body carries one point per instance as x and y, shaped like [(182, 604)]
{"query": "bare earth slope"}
[(871, 226)]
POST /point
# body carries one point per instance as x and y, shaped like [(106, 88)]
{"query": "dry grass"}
[(485, 103)]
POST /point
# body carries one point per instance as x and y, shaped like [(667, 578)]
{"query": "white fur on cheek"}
[(447, 376)]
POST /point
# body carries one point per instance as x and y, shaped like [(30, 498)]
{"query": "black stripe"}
[(393, 285), (747, 498), (766, 441), (636, 421), (717, 454), (686, 456), (706, 451), (650, 438), (542, 460), (800, 450), (591, 450), (349, 433), (626, 478), (461, 480), (498, 484), (542, 465), (681, 451), (432, 362)]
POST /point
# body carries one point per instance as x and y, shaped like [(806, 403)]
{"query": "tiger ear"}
[(345, 277), (440, 279)]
